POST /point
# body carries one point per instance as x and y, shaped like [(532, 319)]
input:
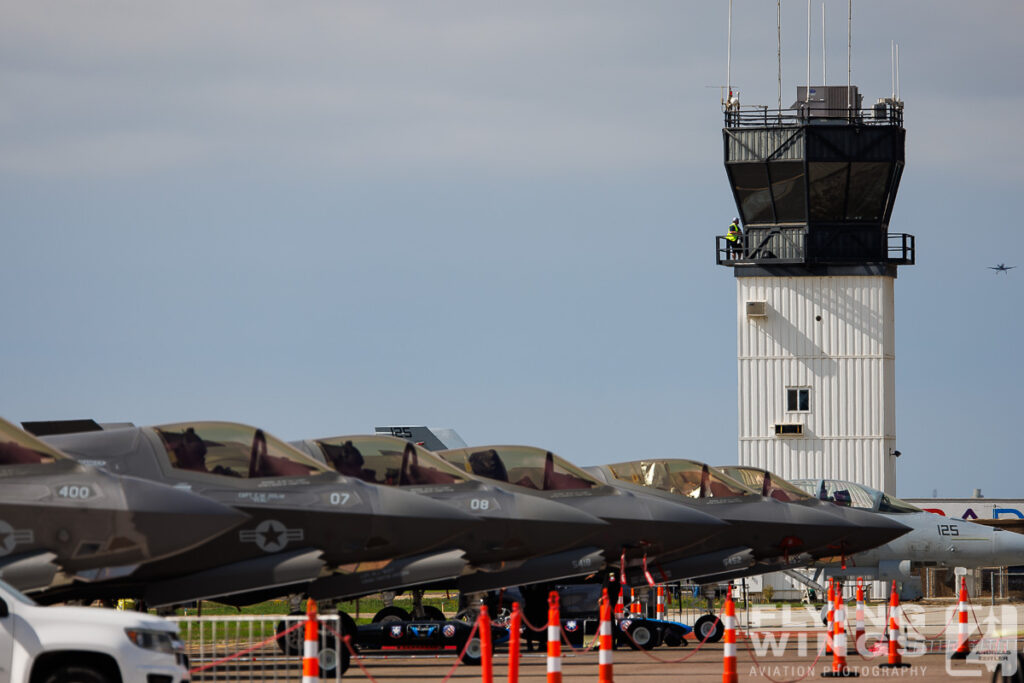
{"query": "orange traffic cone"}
[(895, 659), (830, 615), (310, 654), (604, 638), (839, 637), (554, 640), (858, 629), (962, 647), (729, 674), (513, 643), (659, 609), (486, 664)]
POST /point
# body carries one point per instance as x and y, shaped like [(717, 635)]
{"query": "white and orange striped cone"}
[(620, 608), (604, 641), (513, 643), (729, 674), (962, 646), (858, 631), (486, 663), (310, 646), (895, 659), (829, 615), (554, 640), (635, 609), (659, 608), (839, 669)]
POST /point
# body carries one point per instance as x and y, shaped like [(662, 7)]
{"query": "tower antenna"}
[(892, 64), (824, 71), (807, 92), (849, 55), (728, 57), (778, 29), (897, 72)]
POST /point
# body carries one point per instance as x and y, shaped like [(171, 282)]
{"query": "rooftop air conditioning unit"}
[(757, 309)]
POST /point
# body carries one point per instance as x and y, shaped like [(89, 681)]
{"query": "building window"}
[(798, 400)]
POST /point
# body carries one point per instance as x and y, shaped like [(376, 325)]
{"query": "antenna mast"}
[(778, 28), (849, 53), (728, 57), (824, 72), (808, 91)]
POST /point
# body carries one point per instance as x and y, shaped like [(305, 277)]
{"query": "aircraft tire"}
[(72, 673), (290, 644), (474, 653), (390, 614), (709, 626), (641, 636)]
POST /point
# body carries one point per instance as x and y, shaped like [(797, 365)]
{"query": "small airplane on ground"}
[(306, 520), (1001, 268), (63, 521)]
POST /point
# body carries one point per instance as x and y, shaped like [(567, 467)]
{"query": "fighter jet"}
[(767, 533), (306, 520), (62, 521), (639, 524), (933, 541), (516, 528), (1001, 268)]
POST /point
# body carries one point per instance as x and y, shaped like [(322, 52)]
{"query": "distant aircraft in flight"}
[(1001, 268)]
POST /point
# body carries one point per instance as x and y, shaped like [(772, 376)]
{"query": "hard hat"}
[(736, 220)]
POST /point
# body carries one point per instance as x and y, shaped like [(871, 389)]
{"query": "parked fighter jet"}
[(306, 519), (62, 521), (516, 528), (639, 524), (933, 541), (768, 533)]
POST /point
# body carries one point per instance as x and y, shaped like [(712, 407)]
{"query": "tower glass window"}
[(798, 400)]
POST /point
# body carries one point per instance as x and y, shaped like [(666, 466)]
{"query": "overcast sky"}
[(319, 217)]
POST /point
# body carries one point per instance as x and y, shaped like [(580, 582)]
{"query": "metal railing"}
[(762, 117), (257, 648), (789, 246)]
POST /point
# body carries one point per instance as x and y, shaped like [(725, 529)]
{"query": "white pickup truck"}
[(85, 644)]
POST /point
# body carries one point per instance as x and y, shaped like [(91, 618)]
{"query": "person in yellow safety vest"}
[(735, 237)]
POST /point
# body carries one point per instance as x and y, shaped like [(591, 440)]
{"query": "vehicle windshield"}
[(18, 447), (767, 483), (233, 450), (848, 494), (532, 468), (387, 460), (683, 477)]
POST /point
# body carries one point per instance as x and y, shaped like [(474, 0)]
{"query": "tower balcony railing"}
[(788, 245), (882, 114)]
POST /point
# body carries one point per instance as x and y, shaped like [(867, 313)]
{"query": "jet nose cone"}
[(673, 525), (545, 526), (870, 529), (172, 520), (408, 522)]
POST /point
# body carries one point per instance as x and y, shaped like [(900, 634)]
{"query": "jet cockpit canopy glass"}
[(532, 468), (387, 460), (687, 478), (849, 494), (18, 447), (768, 484), (233, 450)]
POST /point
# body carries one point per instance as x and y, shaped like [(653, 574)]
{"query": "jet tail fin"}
[(431, 438)]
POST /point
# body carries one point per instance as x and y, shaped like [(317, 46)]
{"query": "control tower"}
[(815, 271)]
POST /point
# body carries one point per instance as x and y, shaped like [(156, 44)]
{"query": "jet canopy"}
[(770, 485), (687, 478), (526, 466), (18, 447), (387, 460), (233, 450), (849, 494)]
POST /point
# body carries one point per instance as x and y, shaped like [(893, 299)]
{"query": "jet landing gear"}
[(709, 628), (333, 652), (393, 613)]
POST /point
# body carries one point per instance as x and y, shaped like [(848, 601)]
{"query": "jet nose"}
[(673, 526), (405, 522), (172, 520), (869, 529), (545, 526)]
